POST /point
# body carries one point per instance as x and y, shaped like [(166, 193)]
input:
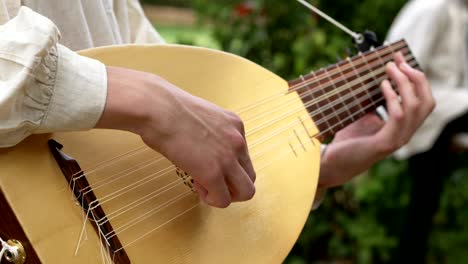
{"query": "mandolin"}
[(102, 196)]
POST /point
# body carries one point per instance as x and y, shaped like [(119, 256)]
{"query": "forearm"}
[(342, 161)]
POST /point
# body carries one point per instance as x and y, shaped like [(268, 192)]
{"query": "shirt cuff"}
[(319, 198), (320, 192), (79, 94)]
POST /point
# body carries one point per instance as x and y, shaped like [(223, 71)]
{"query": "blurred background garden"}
[(362, 221)]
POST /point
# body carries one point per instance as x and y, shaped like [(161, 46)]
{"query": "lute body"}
[(262, 230)]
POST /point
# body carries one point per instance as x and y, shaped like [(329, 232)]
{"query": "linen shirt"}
[(44, 85), (437, 33)]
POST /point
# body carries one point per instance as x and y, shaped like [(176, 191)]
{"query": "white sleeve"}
[(420, 23), (44, 86), (141, 29)]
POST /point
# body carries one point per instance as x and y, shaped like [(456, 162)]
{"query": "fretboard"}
[(342, 93)]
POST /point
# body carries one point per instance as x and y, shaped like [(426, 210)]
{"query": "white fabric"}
[(44, 86), (435, 31)]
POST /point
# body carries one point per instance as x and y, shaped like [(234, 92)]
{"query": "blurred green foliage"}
[(361, 221), (285, 37)]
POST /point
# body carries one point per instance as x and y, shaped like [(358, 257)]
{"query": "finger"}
[(240, 184), (365, 126), (247, 165), (405, 88), (372, 122), (420, 82), (202, 192), (395, 112), (399, 58), (218, 194), (238, 123)]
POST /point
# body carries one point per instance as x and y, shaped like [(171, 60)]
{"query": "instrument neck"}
[(340, 94)]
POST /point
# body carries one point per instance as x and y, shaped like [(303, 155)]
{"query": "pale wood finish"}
[(262, 230)]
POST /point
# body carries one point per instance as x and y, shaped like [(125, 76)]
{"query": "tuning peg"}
[(370, 40)]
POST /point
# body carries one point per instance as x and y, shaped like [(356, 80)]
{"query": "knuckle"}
[(237, 141), (398, 116), (419, 76), (393, 97), (212, 176), (251, 192), (414, 105), (254, 176), (226, 161), (247, 193), (237, 121), (404, 81)]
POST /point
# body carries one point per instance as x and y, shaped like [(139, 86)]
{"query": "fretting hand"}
[(201, 138), (368, 140)]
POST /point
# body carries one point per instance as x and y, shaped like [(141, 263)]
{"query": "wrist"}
[(127, 100)]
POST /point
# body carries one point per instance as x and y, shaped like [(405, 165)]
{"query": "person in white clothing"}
[(437, 32), (46, 87)]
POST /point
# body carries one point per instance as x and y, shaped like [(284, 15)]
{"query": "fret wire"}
[(349, 83), (360, 99), (317, 111), (339, 97), (359, 70), (314, 75), (286, 114), (295, 85), (309, 93), (357, 114), (327, 98), (328, 84), (316, 79), (373, 88), (345, 80), (370, 70), (356, 58), (258, 128), (391, 81), (330, 129), (382, 62), (359, 78)]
